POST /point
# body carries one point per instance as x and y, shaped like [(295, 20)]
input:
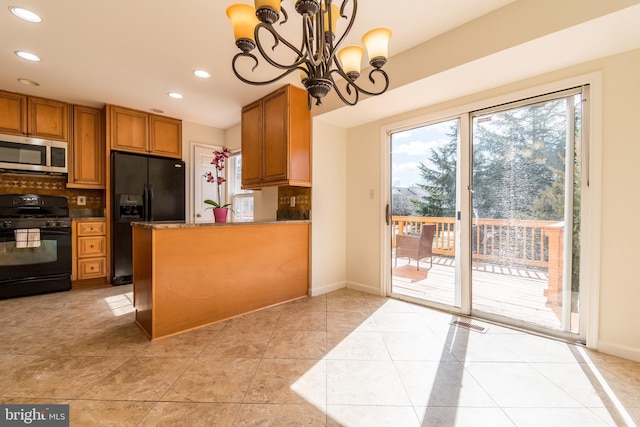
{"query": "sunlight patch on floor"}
[(121, 304), (386, 366), (611, 395)]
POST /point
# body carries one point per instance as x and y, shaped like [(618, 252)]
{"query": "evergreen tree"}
[(517, 169), (549, 203), (515, 158), (439, 182)]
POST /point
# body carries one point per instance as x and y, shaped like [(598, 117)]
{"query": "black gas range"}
[(35, 244)]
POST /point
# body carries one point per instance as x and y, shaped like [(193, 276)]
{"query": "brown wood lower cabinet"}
[(90, 250), (191, 276)]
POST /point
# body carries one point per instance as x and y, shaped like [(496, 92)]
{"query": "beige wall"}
[(194, 132), (620, 266), (619, 287), (232, 137), (329, 208), (364, 210)]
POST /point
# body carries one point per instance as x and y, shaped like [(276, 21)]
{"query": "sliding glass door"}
[(484, 215), (525, 234), (424, 206)]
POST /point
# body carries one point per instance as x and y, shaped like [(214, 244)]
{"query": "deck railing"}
[(536, 244)]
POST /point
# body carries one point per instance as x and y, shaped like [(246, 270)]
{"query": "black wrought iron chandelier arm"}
[(353, 89), (374, 72), (385, 76), (335, 46), (355, 94), (316, 57), (309, 37), (255, 59), (277, 38), (284, 13)]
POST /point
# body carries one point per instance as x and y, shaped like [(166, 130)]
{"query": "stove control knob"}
[(6, 224), (49, 224)]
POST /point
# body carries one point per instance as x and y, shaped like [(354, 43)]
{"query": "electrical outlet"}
[(82, 200), (292, 202)]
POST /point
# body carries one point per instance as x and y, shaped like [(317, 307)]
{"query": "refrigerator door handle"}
[(145, 203), (150, 204)]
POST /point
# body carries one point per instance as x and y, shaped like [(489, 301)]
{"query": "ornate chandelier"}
[(319, 59)]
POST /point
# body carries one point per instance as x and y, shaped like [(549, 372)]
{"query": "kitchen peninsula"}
[(188, 275)]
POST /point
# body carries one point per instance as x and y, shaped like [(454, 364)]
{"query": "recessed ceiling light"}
[(156, 110), (28, 56), (25, 14), (202, 74), (175, 95), (28, 82)]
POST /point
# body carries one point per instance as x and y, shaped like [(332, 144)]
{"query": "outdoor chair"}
[(415, 246)]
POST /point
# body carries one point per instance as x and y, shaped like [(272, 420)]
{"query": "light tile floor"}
[(341, 359)]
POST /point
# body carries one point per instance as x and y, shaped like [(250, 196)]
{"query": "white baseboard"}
[(320, 290), (363, 288), (626, 352)]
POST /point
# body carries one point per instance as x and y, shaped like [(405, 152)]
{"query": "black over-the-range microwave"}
[(23, 153)]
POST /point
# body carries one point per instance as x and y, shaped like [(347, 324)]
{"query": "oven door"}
[(33, 270)]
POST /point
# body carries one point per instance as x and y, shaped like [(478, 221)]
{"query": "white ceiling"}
[(132, 53)]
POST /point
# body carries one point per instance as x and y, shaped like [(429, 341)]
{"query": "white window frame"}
[(234, 192)]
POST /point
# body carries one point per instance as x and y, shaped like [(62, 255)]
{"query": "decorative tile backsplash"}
[(302, 203), (53, 185)]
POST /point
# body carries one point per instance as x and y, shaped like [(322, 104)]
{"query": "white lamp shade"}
[(351, 58), (377, 42), (243, 18)]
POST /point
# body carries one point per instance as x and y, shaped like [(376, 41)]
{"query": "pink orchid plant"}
[(219, 158)]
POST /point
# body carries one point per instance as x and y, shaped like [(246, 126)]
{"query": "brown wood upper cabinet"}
[(87, 150), (139, 132), (276, 140), (34, 117)]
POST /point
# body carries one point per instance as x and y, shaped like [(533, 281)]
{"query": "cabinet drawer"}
[(92, 246), (92, 228), (91, 268)]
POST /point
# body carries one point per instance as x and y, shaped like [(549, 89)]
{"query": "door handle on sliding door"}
[(387, 213)]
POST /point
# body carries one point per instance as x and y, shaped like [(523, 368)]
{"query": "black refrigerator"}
[(144, 188)]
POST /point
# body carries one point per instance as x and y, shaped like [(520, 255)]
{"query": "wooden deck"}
[(513, 292)]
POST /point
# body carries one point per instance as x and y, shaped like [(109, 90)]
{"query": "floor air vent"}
[(467, 325)]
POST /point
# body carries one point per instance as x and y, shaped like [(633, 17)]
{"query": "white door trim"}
[(191, 170)]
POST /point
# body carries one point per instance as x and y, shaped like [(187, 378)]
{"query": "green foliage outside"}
[(518, 168)]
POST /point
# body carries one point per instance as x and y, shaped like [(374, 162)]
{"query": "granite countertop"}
[(158, 225)]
